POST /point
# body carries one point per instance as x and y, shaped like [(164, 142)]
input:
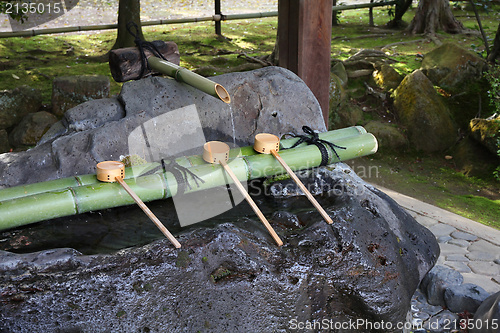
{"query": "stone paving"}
[(466, 246)]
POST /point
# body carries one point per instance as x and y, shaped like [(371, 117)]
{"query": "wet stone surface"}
[(229, 275)]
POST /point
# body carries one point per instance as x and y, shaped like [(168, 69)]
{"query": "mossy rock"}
[(388, 136), (31, 129), (469, 103), (337, 93), (452, 67), (345, 116), (16, 103), (70, 91), (473, 159), (424, 114), (459, 73), (339, 70), (387, 78), (487, 132)]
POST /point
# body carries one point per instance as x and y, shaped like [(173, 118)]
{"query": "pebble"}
[(458, 266), (481, 256), (441, 229), (464, 236), (444, 239), (447, 248), (457, 257), (459, 242), (487, 268), (484, 246)]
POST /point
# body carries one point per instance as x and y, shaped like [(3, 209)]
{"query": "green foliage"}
[(481, 5), (496, 173), (493, 77)]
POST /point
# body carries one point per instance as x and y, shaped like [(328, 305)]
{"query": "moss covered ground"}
[(35, 61)]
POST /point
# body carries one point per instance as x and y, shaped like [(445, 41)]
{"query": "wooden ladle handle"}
[(149, 213), (251, 202), (308, 194)]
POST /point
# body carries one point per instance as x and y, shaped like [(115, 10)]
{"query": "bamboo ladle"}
[(111, 171), (270, 144), (218, 152)]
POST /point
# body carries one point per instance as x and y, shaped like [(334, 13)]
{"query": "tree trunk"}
[(275, 55), (434, 15), (128, 11), (494, 56), (335, 21), (401, 8)]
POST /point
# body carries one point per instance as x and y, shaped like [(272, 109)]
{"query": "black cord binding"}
[(314, 139), (143, 45)]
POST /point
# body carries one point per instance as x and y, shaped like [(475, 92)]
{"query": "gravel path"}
[(93, 12)]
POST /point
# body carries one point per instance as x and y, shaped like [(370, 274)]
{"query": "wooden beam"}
[(304, 41)]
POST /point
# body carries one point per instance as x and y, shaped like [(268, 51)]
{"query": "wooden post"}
[(305, 29), (218, 29)]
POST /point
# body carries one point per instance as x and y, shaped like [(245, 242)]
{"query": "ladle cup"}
[(218, 152), (111, 171), (266, 143)]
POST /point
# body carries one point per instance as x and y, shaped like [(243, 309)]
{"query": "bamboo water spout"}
[(218, 152), (182, 74), (127, 64)]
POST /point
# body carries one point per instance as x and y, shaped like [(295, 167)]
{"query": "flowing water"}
[(232, 124)]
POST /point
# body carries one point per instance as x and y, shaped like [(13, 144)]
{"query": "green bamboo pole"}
[(48, 205), (30, 33), (185, 161), (182, 74), (364, 5)]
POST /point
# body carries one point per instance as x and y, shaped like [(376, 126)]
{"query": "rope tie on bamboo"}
[(314, 139), (143, 45)]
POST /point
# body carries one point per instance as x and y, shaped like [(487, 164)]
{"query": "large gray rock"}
[(230, 276), (437, 281), (262, 101), (16, 103), (465, 297), (488, 315), (423, 113)]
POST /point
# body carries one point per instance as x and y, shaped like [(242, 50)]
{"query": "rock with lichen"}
[(487, 132), (424, 114)]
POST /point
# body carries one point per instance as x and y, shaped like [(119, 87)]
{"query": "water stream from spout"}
[(232, 124)]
